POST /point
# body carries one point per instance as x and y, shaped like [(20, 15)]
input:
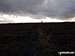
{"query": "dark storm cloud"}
[(5, 7), (51, 8)]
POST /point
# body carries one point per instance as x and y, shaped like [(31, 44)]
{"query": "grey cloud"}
[(50, 8), (5, 7)]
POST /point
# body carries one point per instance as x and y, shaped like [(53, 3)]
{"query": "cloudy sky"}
[(37, 10)]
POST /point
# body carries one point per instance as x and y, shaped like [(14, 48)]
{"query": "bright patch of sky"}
[(5, 18)]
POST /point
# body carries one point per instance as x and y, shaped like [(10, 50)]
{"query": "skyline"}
[(59, 10)]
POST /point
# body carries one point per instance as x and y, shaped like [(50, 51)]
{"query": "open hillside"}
[(44, 39)]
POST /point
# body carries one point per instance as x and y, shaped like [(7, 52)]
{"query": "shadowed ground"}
[(18, 40), (36, 39)]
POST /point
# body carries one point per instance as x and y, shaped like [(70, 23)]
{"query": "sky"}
[(37, 10)]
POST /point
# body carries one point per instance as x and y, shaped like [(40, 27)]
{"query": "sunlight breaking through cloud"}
[(6, 18)]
